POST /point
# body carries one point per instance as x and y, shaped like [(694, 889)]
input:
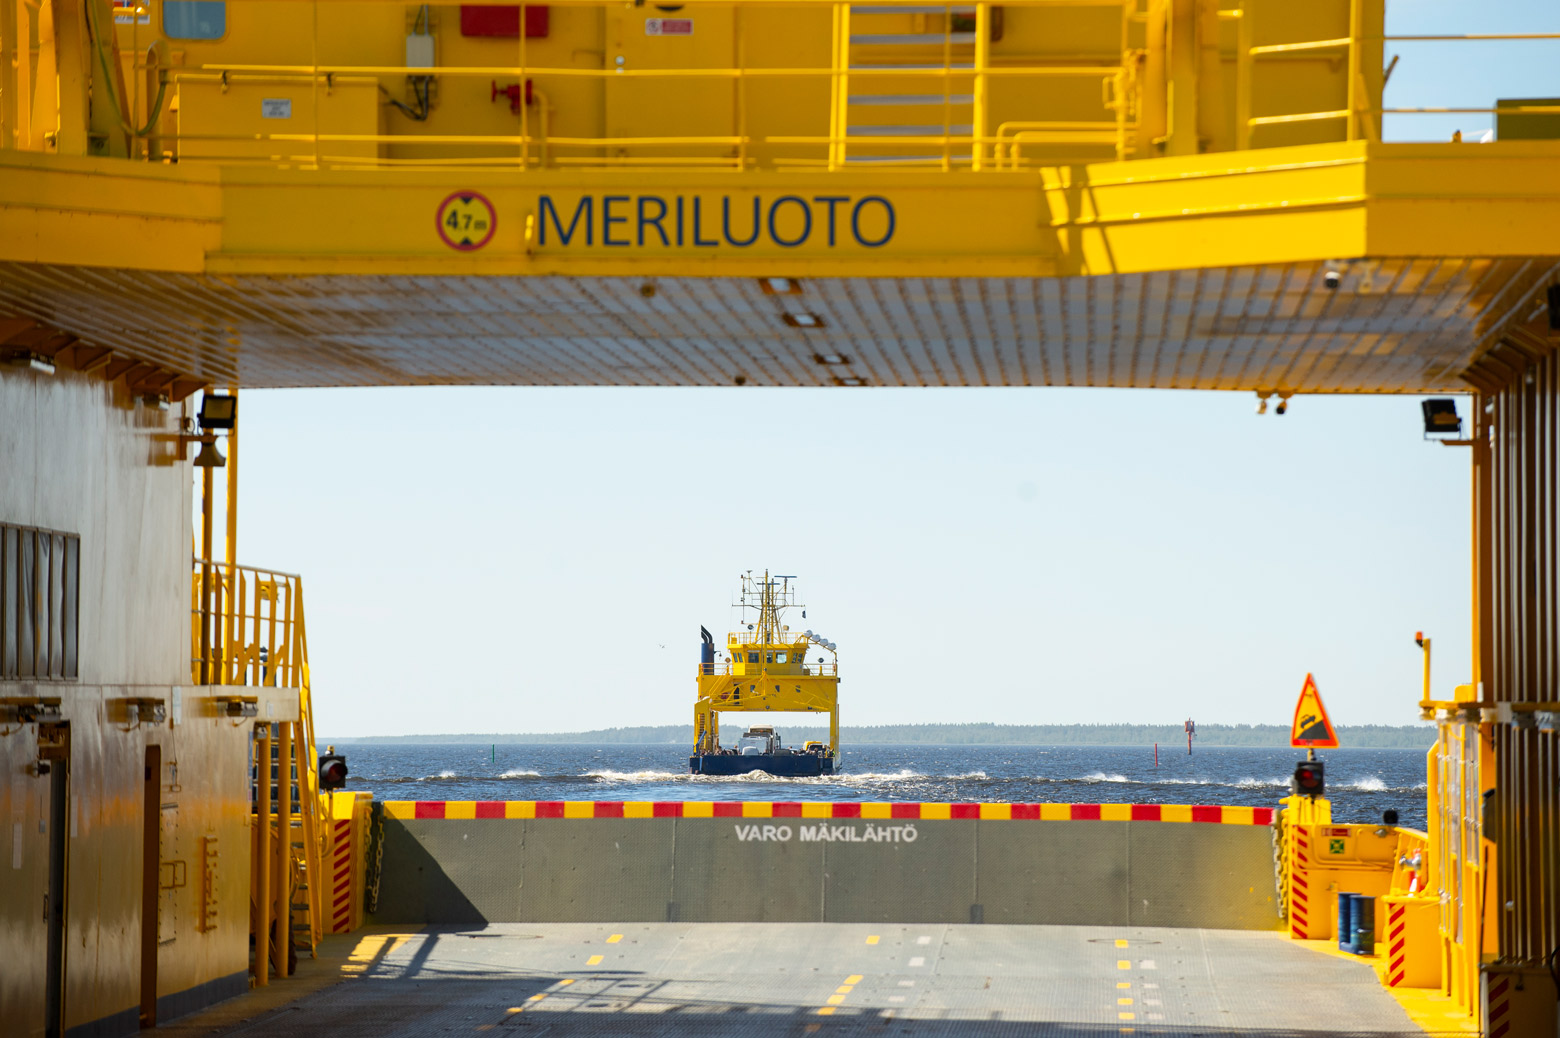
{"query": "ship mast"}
[(769, 596)]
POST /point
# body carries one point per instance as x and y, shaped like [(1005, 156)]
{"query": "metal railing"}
[(1363, 108), (953, 65), (725, 668), (247, 630)]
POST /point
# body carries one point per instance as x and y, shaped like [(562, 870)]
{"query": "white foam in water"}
[(970, 775), (1251, 783), (636, 776), (1368, 784), (516, 773), (1100, 776)]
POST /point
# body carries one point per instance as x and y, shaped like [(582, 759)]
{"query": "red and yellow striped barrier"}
[(472, 809)]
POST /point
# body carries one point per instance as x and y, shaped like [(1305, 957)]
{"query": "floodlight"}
[(1440, 415), (218, 412)]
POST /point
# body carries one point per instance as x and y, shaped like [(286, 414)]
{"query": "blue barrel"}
[(1345, 921), (1362, 923)]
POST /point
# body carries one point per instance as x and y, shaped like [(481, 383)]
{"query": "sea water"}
[(1362, 783)]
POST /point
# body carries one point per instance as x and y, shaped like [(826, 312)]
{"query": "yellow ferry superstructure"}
[(207, 196), (766, 670)]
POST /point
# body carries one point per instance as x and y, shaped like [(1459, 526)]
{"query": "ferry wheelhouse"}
[(765, 669)]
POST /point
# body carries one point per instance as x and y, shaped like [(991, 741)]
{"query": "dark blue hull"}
[(784, 765)]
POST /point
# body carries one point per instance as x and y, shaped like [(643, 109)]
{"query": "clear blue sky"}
[(501, 560)]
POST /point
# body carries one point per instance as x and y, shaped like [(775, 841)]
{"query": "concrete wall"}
[(785, 869), (83, 456)]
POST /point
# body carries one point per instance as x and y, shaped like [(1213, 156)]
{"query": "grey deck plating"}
[(733, 980)]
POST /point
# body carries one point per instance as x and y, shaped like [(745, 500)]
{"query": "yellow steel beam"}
[(1318, 202)]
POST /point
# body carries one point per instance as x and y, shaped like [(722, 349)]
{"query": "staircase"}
[(888, 120)]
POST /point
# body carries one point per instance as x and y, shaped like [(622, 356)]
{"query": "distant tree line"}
[(1415, 736)]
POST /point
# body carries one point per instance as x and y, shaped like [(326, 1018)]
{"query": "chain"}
[(376, 869), (1281, 862)]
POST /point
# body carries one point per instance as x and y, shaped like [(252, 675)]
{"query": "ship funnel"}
[(706, 651)]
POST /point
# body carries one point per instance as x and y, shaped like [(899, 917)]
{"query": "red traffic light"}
[(1309, 779), (333, 771)]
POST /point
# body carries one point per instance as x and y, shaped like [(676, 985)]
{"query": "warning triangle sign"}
[(1312, 727)]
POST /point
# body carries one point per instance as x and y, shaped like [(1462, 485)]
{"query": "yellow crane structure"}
[(766, 670), (1188, 194)]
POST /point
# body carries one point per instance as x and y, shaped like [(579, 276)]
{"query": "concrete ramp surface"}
[(731, 980)]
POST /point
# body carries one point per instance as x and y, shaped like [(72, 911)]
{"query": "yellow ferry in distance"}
[(765, 670)]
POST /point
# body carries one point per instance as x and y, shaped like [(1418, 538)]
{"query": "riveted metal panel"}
[(1217, 876), (1055, 872), (929, 880), (587, 871), (721, 876)]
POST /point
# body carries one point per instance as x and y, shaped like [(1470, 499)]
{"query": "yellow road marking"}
[(594, 960), (614, 938), (537, 997), (1123, 983), (835, 1000), (566, 982), (844, 989), (826, 1011), (1123, 964), (854, 978), (1120, 943), (512, 1009), (1126, 1016), (1123, 1001), (873, 939)]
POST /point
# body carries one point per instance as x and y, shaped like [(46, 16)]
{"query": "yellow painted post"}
[(525, 109), (260, 882), (1181, 133), (206, 491), (45, 102), (982, 100), (1211, 122), (739, 88), (233, 642), (314, 76), (1353, 74), (10, 65), (1154, 113), (72, 64), (842, 102), (282, 881), (309, 804), (1243, 38)]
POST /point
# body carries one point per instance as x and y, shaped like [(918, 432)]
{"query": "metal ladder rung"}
[(911, 39), (909, 100)]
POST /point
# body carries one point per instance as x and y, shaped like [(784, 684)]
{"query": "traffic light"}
[(1308, 780), (333, 771)]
